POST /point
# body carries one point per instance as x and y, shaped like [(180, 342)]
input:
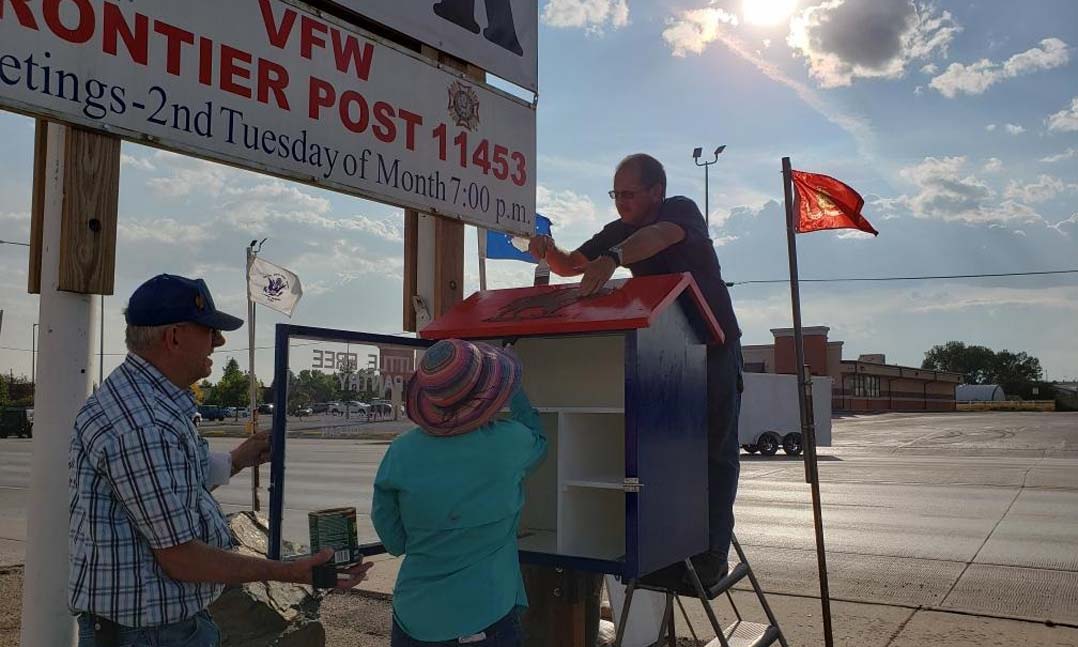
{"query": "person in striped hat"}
[(448, 496)]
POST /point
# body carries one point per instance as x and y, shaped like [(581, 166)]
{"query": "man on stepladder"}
[(659, 235)]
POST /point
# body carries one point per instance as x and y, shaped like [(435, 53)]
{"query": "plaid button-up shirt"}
[(138, 475)]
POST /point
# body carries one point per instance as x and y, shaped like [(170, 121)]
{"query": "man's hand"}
[(303, 566), (252, 452), (596, 274), (538, 246)]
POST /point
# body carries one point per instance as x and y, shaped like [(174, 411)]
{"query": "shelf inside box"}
[(591, 523), (608, 410), (592, 447), (585, 372), (574, 409), (537, 540), (603, 484), (541, 486)]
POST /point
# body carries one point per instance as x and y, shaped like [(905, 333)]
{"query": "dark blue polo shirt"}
[(694, 254)]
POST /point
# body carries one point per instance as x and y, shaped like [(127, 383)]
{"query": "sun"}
[(766, 13)]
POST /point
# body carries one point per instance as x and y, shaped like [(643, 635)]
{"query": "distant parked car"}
[(212, 412), (303, 411), (265, 407), (320, 407), (16, 421)]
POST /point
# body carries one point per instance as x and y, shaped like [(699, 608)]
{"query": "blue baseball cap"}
[(168, 299)]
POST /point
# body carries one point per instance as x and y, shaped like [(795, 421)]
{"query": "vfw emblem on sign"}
[(276, 285), (464, 105)]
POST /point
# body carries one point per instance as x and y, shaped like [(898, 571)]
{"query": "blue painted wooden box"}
[(620, 380)]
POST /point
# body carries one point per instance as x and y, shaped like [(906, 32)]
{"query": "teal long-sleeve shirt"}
[(451, 506)]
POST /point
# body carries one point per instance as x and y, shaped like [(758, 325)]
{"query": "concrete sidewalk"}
[(855, 624)]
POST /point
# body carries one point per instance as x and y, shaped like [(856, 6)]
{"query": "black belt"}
[(106, 632)]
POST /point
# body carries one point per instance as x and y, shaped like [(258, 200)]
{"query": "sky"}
[(957, 121)]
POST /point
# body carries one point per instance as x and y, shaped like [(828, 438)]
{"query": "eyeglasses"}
[(625, 195)]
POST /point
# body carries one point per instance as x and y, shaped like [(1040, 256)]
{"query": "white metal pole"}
[(425, 270), (66, 357), (253, 380), (481, 238)]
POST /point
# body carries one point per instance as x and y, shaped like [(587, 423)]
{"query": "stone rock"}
[(273, 614)]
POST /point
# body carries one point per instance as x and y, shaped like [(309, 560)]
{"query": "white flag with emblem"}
[(273, 286)]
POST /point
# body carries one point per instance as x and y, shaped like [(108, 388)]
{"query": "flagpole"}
[(252, 424), (481, 241), (808, 426)]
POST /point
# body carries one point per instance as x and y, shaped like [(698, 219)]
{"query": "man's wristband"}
[(611, 254)]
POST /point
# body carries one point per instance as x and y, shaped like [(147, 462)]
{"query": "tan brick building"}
[(867, 383)]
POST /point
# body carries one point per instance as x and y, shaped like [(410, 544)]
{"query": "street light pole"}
[(696, 158), (33, 358)]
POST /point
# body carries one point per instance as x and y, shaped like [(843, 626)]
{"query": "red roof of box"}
[(557, 309)]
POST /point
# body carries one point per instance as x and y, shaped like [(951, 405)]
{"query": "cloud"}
[(15, 226), (931, 68), (348, 263), (387, 229), (846, 39), (853, 235), (1014, 129), (993, 165), (162, 230), (251, 208), (946, 192), (693, 30), (976, 78), (592, 15), (990, 127), (567, 209), (1045, 188), (683, 39), (1070, 153), (1065, 226), (188, 175), (1065, 120), (139, 163), (1061, 298)]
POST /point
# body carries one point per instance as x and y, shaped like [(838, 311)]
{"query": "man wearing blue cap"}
[(150, 548)]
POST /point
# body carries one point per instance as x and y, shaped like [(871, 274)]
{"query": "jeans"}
[(196, 631), (724, 385), (503, 633)]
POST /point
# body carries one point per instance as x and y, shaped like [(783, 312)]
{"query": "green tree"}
[(232, 390), (314, 386), (1016, 371), (4, 397), (981, 365), (205, 387)]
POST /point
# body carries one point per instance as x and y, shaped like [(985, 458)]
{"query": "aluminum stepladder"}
[(741, 633)]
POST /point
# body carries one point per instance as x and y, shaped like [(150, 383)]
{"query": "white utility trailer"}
[(770, 419)]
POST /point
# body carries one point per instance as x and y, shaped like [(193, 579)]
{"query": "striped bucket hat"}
[(460, 386)]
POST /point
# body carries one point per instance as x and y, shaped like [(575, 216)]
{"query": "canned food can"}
[(335, 528)]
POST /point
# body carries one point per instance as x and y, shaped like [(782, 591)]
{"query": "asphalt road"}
[(972, 512)]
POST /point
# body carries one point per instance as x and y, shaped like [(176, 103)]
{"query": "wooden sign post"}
[(73, 234)]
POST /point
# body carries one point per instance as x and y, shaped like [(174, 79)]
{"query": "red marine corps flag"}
[(822, 202), (815, 202)]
